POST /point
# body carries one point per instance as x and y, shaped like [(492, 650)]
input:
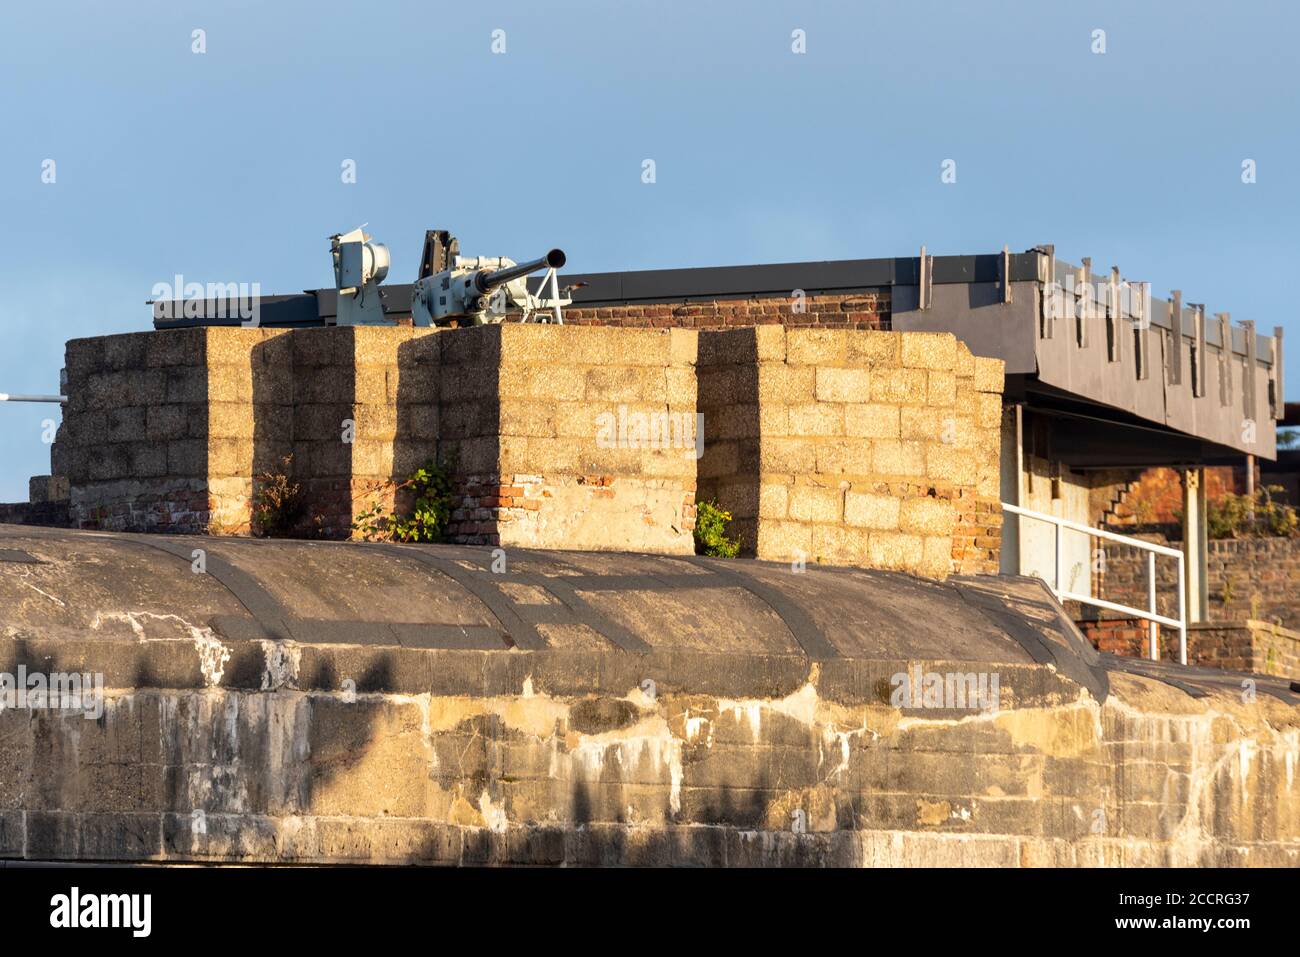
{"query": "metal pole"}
[(57, 399), (1154, 627), (1250, 487)]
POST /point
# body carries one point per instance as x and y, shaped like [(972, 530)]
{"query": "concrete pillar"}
[(1195, 533), (1012, 486)]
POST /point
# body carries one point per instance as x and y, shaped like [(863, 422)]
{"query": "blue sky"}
[(225, 166)]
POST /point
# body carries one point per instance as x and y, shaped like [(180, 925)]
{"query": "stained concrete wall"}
[(548, 758), (337, 702)]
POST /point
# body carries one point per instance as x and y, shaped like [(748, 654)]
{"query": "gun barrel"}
[(488, 280)]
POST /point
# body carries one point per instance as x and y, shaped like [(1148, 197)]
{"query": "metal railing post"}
[(1154, 626), (1182, 612)]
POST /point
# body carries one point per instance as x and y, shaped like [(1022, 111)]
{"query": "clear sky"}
[(226, 166)]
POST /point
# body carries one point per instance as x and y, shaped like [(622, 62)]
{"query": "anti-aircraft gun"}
[(467, 290), (480, 289)]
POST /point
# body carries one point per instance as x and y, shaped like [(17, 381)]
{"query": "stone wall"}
[(1247, 578), (835, 445), (178, 430), (463, 757), (1257, 646), (572, 438), (363, 404), (47, 503), (832, 445), (54, 514), (135, 439)]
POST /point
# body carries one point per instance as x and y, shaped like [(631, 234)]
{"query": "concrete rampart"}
[(356, 703)]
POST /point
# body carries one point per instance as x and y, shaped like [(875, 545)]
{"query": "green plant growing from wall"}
[(428, 489), (1144, 511), (1226, 595), (711, 532), (278, 503), (1240, 516)]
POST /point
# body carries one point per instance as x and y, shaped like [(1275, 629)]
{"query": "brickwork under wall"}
[(1129, 637), (1155, 496)]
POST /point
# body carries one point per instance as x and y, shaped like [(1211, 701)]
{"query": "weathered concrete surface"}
[(346, 703)]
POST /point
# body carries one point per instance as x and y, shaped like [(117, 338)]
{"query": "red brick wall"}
[(1129, 638), (1256, 646), (977, 536), (863, 310), (1156, 498)]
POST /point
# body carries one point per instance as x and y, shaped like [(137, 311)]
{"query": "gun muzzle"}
[(486, 281)]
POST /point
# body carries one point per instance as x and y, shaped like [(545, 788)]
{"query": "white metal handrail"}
[(1150, 615)]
